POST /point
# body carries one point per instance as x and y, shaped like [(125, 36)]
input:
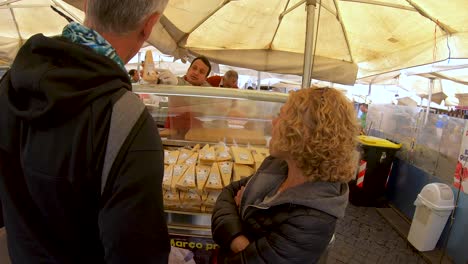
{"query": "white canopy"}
[(450, 80), (19, 20), (377, 35)]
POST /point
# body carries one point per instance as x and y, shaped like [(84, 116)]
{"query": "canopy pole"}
[(8, 2), (17, 27), (259, 80), (429, 99), (77, 19), (308, 49), (139, 62)]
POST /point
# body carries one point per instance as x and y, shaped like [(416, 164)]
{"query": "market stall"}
[(211, 137)]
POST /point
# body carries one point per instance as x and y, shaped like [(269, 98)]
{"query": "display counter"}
[(211, 136)]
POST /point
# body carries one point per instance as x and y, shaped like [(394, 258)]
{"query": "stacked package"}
[(193, 178)]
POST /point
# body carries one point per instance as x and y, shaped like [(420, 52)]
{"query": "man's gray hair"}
[(231, 74), (121, 16)]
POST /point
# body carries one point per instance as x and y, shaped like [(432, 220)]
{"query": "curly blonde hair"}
[(318, 129)]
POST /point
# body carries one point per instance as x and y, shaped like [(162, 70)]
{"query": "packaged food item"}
[(242, 156), (207, 155), (193, 178), (192, 159), (187, 181), (207, 209), (259, 150), (242, 171), (171, 157), (190, 197), (196, 147), (225, 167), (202, 173), (167, 178), (166, 156), (171, 198), (209, 199), (179, 170), (259, 155), (222, 152), (214, 181), (184, 155)]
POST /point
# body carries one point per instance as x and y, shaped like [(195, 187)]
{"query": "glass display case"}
[(211, 136), (195, 115)]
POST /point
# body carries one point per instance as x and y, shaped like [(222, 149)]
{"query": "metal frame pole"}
[(429, 99), (259, 80), (309, 44), (139, 62)]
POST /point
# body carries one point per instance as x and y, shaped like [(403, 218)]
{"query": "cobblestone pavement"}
[(363, 236)]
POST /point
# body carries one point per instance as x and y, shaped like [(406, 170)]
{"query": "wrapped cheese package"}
[(187, 181)]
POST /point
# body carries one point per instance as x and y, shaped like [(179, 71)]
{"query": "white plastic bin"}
[(433, 207)]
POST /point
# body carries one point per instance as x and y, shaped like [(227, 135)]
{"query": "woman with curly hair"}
[(287, 211)]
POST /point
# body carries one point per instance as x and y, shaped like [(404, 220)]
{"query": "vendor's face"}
[(196, 74)]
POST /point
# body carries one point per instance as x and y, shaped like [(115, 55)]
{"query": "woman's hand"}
[(239, 196), (239, 243)]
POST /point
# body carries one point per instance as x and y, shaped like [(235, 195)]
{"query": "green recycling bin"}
[(375, 165)]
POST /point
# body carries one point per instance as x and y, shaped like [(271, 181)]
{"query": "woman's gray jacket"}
[(294, 226)]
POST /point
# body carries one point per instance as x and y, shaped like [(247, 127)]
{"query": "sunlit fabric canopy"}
[(449, 79), (19, 20), (408, 101), (377, 35), (462, 99)]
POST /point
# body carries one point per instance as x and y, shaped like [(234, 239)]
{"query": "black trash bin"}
[(375, 165)]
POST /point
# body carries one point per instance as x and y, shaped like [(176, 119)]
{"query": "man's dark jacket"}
[(55, 109)]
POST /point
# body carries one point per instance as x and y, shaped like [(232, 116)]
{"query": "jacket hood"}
[(328, 197), (52, 79)]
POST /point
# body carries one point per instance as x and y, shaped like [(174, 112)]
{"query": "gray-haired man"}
[(229, 80), (57, 105)]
